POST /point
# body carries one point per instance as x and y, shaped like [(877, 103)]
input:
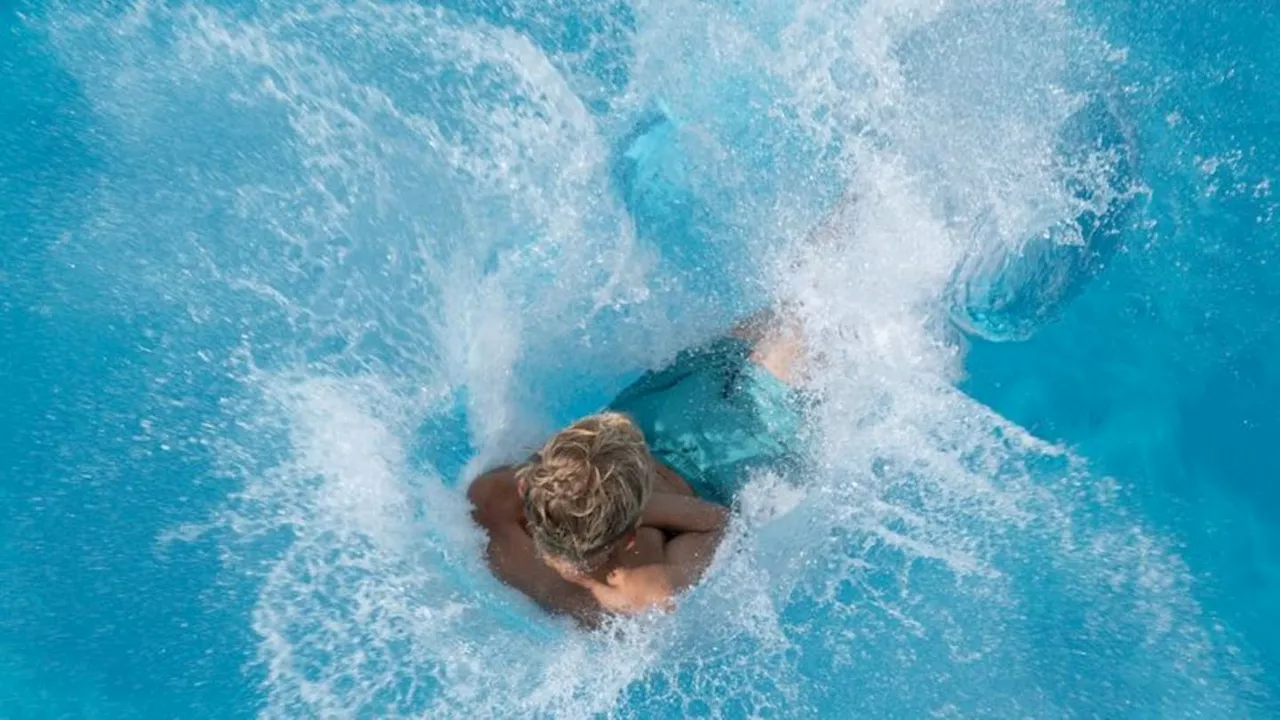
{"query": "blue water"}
[(275, 277)]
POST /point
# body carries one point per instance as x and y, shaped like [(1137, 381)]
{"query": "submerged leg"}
[(777, 335), (777, 342)]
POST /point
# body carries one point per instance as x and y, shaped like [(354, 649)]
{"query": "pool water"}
[(277, 278)]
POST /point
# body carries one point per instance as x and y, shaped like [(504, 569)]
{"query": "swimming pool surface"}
[(276, 277)]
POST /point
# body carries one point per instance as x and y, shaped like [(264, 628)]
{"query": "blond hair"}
[(587, 487)]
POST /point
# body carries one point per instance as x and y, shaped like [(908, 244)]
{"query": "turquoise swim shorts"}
[(713, 416)]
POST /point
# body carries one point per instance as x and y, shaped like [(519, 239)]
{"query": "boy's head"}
[(585, 490)]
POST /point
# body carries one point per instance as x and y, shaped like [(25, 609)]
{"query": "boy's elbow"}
[(664, 594), (481, 494), (476, 491), (721, 523)]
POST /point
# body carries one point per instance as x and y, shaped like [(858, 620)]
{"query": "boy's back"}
[(665, 552)]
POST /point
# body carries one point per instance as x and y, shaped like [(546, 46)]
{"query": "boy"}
[(623, 510)]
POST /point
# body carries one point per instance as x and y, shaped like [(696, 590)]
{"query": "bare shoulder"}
[(510, 552), (494, 497)]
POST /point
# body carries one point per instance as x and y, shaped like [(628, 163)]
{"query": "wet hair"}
[(587, 487)]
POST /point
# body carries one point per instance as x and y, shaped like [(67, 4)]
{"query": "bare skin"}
[(667, 553), (777, 344), (671, 546)]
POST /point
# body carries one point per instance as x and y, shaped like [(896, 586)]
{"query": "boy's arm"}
[(512, 558), (698, 527), (677, 514), (511, 555), (689, 555), (639, 589)]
